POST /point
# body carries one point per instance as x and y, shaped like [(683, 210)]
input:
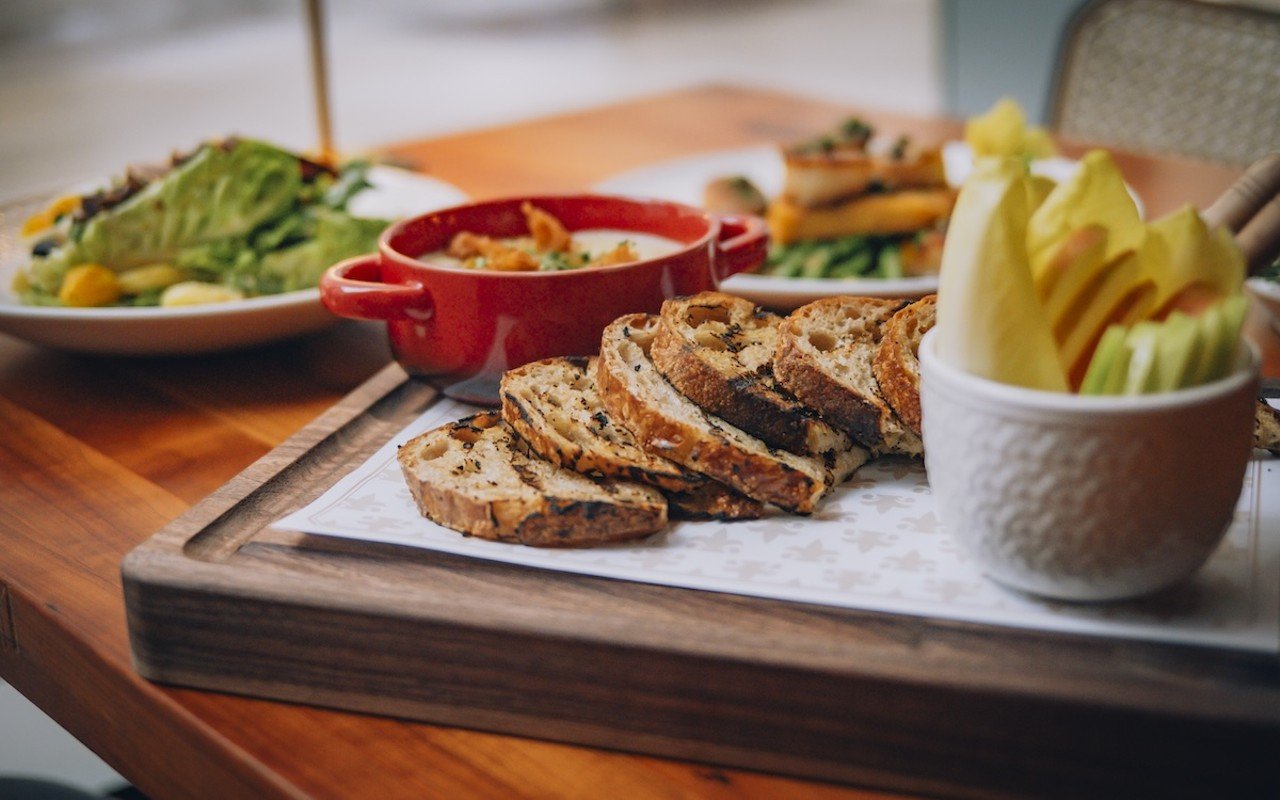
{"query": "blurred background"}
[(87, 87)]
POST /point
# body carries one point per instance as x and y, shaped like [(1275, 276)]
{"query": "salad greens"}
[(238, 213)]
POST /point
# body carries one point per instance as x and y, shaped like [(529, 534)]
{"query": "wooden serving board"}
[(220, 600)]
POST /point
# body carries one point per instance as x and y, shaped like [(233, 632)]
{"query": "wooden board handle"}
[(1250, 208)]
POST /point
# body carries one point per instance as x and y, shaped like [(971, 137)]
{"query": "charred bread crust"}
[(712, 501), (897, 365), (522, 510), (683, 433), (849, 412), (1266, 428), (605, 450), (824, 357), (716, 349)]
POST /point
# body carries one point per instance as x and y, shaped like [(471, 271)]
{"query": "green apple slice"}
[(1220, 326), (1109, 367), (1178, 344)]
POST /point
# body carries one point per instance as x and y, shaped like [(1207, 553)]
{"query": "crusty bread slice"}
[(669, 424), (897, 363), (1266, 428), (554, 406), (717, 350), (476, 476), (824, 356), (713, 500)]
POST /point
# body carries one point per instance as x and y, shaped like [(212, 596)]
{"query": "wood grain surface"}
[(99, 453)]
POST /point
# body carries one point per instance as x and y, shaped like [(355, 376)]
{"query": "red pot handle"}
[(742, 245), (354, 288)]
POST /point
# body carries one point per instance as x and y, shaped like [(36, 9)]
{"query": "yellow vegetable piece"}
[(192, 293), (89, 285), (1118, 294), (1186, 257), (149, 278), (1094, 195), (44, 219), (871, 214), (1038, 190), (1083, 294), (990, 322), (1003, 131)]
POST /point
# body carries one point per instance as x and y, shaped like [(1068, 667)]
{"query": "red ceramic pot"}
[(461, 328)]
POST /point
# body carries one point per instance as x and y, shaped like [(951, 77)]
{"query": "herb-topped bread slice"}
[(824, 357), (897, 361), (554, 406), (667, 423), (476, 476), (717, 350)]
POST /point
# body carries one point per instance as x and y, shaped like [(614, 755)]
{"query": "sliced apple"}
[(989, 319), (1083, 307), (1220, 326), (1142, 344), (1109, 367), (1192, 266), (1178, 352), (1094, 195)]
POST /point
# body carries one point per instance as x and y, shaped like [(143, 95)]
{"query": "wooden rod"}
[(320, 80)]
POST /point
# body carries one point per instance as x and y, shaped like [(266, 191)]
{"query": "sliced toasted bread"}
[(717, 350), (1266, 428), (824, 356), (712, 500), (669, 424), (554, 406), (476, 476), (897, 364)]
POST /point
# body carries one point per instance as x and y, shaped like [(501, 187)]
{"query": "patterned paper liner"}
[(876, 544)]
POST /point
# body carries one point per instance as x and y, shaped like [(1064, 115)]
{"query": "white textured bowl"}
[(1085, 498)]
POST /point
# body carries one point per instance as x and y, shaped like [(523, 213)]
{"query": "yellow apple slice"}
[(1190, 264), (1117, 294), (1094, 195), (989, 319)]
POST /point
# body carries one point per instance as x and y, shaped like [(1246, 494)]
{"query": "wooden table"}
[(98, 453)]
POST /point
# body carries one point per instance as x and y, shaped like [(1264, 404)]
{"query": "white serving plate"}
[(683, 179), (203, 328)]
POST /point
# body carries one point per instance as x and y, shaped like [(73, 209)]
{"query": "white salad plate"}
[(683, 179), (201, 328)]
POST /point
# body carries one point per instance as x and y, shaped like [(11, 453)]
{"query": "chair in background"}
[(1185, 77)]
